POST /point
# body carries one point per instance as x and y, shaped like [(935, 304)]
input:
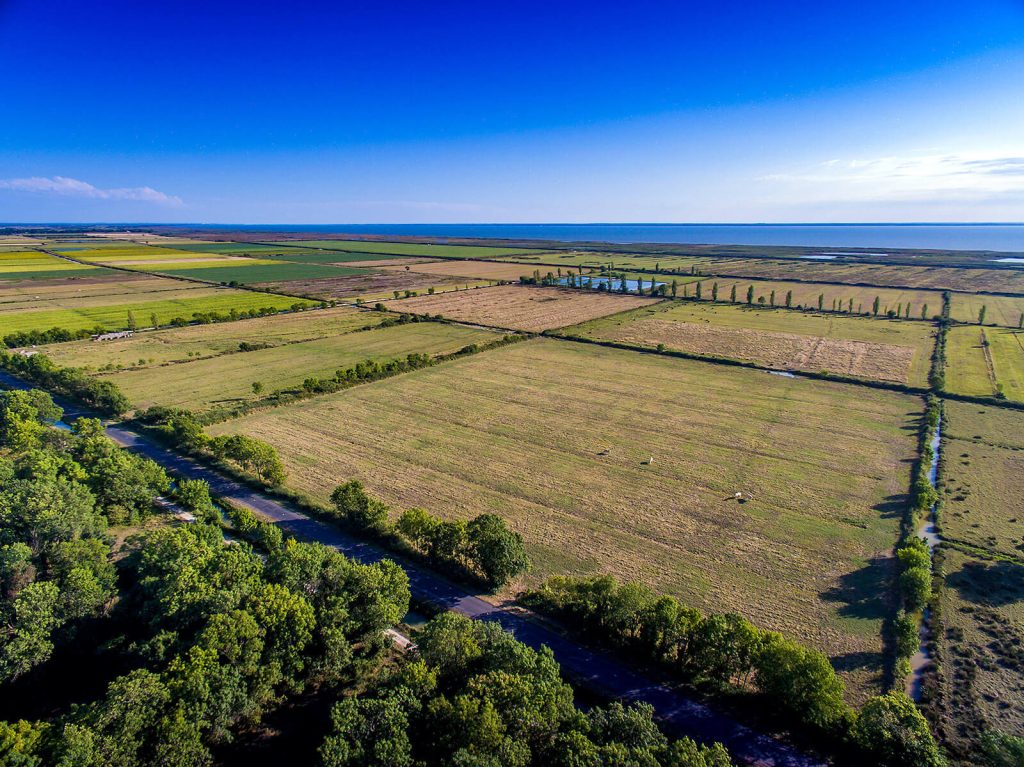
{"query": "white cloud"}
[(914, 176), (72, 187)]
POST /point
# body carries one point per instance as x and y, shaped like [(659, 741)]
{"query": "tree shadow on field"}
[(893, 507), (864, 592), (853, 661), (989, 583)]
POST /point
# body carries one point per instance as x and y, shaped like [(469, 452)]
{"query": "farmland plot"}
[(985, 361), (610, 461), (227, 379), (883, 350), (181, 344), (521, 308)]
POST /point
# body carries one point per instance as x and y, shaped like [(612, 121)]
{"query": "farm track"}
[(594, 670)]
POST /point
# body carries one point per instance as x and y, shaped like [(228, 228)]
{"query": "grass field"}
[(520, 308), (227, 379), (984, 473), (554, 436), (884, 350), (115, 316), (411, 249), (983, 616), (180, 344), (984, 361), (999, 310), (340, 257), (934, 278), (806, 294)]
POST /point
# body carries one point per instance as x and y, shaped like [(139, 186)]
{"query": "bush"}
[(894, 733)]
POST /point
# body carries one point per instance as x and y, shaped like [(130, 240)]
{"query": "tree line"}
[(727, 651), (59, 335), (476, 696), (103, 396), (484, 548)]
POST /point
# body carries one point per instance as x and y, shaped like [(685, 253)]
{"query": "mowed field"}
[(555, 436), (981, 361), (984, 478), (999, 310), (932, 278), (521, 308), (204, 383), (882, 350), (195, 341), (806, 294), (621, 261)]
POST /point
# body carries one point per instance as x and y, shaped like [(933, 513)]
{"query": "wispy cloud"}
[(894, 176), (72, 187)]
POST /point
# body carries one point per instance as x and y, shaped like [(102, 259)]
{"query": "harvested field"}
[(521, 308), (181, 344), (984, 478), (487, 270), (555, 437), (677, 265), (932, 278), (984, 361), (881, 350), (983, 639), (102, 293), (227, 379), (806, 295)]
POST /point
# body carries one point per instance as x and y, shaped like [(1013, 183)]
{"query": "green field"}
[(227, 379), (411, 249), (886, 350), (999, 310), (337, 257), (985, 361), (115, 316), (983, 662), (256, 272), (555, 436), (984, 478), (181, 344)]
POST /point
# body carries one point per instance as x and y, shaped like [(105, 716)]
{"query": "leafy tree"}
[(27, 642), (981, 314), (732, 293), (23, 417), (906, 634), (924, 312), (821, 301), (697, 290), (498, 551), (771, 300), (714, 291), (366, 733), (359, 509), (257, 388), (894, 733), (875, 306), (802, 680), (675, 288), (20, 743), (750, 294), (789, 299), (132, 324)]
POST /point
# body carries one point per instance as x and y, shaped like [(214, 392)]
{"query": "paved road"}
[(596, 670)]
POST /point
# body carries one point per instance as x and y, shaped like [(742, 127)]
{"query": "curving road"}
[(596, 670)]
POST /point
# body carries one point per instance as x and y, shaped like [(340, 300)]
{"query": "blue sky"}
[(339, 112)]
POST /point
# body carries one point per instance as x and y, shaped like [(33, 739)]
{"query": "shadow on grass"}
[(989, 583), (853, 661), (864, 592)]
